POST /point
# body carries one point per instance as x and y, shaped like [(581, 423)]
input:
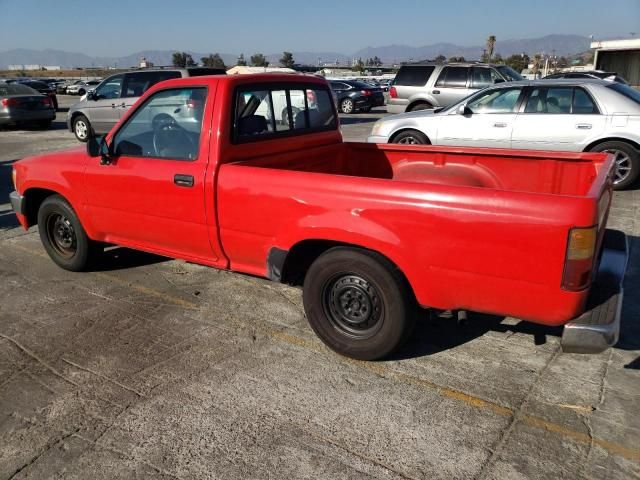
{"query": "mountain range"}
[(558, 44)]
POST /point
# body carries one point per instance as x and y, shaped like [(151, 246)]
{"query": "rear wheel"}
[(81, 128), (411, 137), (82, 91), (627, 162), (419, 106), (63, 237), (347, 106), (358, 303)]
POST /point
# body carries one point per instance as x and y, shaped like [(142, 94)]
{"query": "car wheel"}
[(411, 137), (81, 128), (347, 106), (358, 303), (627, 158), (81, 92), (63, 237), (419, 106)]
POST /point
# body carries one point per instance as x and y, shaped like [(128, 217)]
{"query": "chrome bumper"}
[(598, 328), (17, 203)]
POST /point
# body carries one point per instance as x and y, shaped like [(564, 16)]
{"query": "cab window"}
[(110, 88), (168, 125), (265, 113)]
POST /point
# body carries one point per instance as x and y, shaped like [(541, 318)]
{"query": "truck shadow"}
[(121, 258)]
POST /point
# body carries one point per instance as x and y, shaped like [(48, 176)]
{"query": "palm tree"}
[(491, 42)]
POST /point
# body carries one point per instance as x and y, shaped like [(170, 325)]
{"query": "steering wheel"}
[(167, 133)]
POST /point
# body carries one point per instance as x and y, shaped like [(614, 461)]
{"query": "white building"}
[(620, 56)]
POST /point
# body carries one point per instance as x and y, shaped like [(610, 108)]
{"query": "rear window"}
[(138, 83), (414, 76), (627, 91), (16, 89), (198, 72), (455, 77), (509, 73), (265, 112)]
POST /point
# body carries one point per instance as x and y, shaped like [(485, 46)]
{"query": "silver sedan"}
[(570, 115)]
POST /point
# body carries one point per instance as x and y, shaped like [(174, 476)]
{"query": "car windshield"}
[(37, 84), (626, 90), (509, 73), (7, 89)]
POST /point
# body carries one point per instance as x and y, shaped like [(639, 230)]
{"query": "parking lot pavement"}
[(149, 367)]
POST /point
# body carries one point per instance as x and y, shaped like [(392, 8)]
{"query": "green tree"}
[(258, 60), (213, 61), (491, 43), (440, 59), (376, 61), (241, 61), (497, 58), (182, 60), (287, 60), (518, 62), (456, 59)]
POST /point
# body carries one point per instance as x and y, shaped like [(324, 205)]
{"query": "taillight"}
[(578, 265), (393, 93), (366, 93), (46, 101), (9, 102)]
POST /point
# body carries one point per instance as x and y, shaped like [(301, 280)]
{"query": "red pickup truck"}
[(207, 170)]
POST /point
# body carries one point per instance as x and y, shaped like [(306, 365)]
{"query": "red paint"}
[(478, 229)]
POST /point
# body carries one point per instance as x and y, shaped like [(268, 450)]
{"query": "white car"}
[(82, 87), (569, 115)]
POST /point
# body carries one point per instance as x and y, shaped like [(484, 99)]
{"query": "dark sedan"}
[(42, 88), (353, 96), (22, 104)]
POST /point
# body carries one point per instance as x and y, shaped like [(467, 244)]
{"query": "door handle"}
[(583, 126), (500, 125), (183, 180), (436, 92)]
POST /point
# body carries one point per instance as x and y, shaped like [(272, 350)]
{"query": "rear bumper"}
[(598, 328)]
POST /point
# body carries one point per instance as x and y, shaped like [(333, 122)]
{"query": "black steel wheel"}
[(63, 237), (358, 303)]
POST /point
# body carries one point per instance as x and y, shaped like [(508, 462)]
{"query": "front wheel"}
[(627, 162), (63, 237), (81, 128), (411, 137), (358, 303)]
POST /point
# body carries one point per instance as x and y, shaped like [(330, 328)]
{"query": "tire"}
[(81, 91), (81, 128), (358, 303), (627, 162), (411, 137), (347, 105), (419, 106), (63, 237)]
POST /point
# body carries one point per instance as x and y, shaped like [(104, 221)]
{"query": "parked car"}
[(62, 87), (42, 88), (369, 231), (353, 95), (569, 115), (22, 104), (588, 74), (82, 87), (426, 86), (101, 109)]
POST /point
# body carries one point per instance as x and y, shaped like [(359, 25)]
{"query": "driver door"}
[(152, 194), (488, 123)]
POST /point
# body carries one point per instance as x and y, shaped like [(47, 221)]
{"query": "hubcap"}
[(61, 234), (623, 165), (347, 106), (353, 306), (81, 129), (409, 140)]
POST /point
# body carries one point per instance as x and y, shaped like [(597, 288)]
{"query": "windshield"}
[(626, 90), (7, 89), (509, 73)]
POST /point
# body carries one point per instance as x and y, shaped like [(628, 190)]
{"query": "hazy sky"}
[(121, 27)]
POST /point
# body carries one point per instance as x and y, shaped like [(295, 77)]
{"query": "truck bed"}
[(557, 173)]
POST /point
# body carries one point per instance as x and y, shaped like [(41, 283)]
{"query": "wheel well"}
[(418, 102), (33, 199), (395, 134), (304, 253), (612, 139)]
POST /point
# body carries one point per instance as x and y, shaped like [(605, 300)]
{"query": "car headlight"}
[(13, 178), (376, 128)]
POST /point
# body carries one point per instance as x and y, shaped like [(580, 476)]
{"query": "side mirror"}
[(463, 110), (91, 95), (98, 147)]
